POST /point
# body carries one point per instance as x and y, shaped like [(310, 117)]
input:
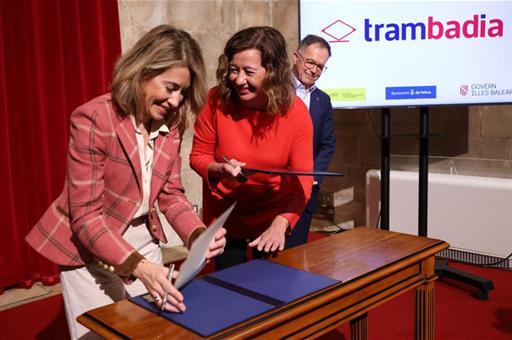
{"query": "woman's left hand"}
[(217, 245), (273, 238)]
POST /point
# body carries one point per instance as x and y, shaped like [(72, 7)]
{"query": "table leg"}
[(359, 327), (424, 294)]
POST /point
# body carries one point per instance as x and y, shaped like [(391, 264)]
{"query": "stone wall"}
[(473, 140)]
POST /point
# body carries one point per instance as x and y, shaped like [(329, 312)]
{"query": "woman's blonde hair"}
[(158, 50), (278, 85)]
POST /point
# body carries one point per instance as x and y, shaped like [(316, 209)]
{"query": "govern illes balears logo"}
[(476, 27), (484, 89)]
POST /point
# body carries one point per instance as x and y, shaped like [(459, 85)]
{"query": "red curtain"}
[(54, 56)]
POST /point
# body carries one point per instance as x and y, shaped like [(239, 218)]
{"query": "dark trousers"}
[(235, 253), (300, 232)]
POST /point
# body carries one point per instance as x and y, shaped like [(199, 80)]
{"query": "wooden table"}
[(374, 266)]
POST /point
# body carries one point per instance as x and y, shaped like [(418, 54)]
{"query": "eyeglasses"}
[(311, 63)]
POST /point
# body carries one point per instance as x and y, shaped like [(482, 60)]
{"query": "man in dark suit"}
[(309, 63)]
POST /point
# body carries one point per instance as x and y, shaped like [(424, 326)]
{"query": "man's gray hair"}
[(311, 39)]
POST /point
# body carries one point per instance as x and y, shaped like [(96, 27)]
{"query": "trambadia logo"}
[(338, 30), (464, 90), (477, 27)]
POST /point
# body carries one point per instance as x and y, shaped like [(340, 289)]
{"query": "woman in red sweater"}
[(253, 118)]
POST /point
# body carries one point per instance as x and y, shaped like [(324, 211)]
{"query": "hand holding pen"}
[(169, 278), (240, 176), (159, 285)]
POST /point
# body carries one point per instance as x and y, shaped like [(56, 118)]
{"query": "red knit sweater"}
[(261, 140)]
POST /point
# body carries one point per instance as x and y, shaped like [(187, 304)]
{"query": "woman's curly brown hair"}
[(278, 85)]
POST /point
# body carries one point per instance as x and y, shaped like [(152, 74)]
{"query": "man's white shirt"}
[(302, 92)]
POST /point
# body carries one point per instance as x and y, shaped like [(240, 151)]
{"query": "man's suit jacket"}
[(103, 190), (324, 137)]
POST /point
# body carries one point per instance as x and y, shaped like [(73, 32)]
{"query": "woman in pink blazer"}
[(123, 160)]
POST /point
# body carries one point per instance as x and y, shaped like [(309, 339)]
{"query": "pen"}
[(169, 278), (241, 177)]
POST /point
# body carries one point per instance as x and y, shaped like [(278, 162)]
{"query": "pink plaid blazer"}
[(103, 190)]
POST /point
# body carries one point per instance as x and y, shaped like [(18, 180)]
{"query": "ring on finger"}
[(158, 299)]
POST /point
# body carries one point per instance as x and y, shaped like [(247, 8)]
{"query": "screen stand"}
[(384, 169), (442, 270)]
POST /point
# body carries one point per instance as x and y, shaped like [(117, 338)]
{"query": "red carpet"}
[(458, 315), (43, 319)]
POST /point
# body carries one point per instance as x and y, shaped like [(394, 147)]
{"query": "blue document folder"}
[(227, 297)]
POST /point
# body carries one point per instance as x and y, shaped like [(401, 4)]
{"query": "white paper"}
[(197, 256)]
